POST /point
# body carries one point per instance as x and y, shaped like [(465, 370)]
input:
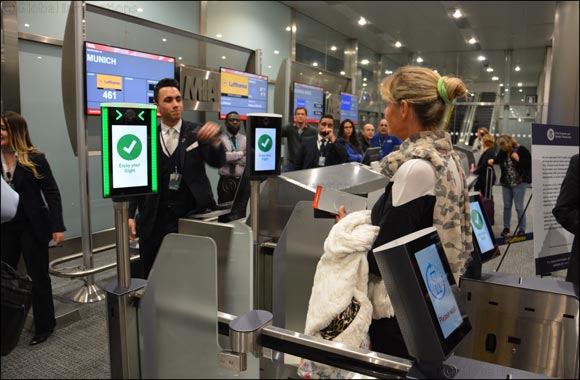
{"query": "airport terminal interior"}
[(231, 294)]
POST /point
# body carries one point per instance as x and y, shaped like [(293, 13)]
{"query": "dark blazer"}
[(481, 171), (194, 177), (566, 213), (294, 139), (524, 166), (309, 154), (45, 218)]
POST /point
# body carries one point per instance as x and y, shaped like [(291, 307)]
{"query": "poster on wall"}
[(552, 148)]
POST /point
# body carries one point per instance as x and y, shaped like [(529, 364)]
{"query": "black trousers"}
[(17, 239), (166, 223), (386, 338)]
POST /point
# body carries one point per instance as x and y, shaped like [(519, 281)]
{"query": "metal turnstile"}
[(527, 323)]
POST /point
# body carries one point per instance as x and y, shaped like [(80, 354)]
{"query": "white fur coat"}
[(343, 273)]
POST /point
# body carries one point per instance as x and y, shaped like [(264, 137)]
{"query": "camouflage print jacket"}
[(451, 215)]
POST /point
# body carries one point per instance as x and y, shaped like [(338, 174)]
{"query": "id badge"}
[(174, 180), (321, 161)]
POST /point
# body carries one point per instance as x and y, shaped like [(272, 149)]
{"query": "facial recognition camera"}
[(264, 136)]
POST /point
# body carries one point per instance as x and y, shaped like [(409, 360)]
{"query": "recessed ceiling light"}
[(507, 90), (364, 79), (388, 72), (288, 29), (364, 84), (364, 62), (494, 78), (83, 19), (276, 52), (342, 73), (520, 90), (481, 58), (501, 84), (39, 57), (472, 41), (517, 68), (320, 73), (489, 69), (140, 10), (179, 58), (519, 118), (519, 84), (269, 66), (223, 57), (362, 21), (315, 64), (419, 59), (333, 48), (294, 28), (398, 44), (457, 13), (218, 35), (164, 39), (27, 25)]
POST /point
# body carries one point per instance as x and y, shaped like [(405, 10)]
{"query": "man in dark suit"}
[(184, 188), (566, 213), (296, 133), (321, 150)]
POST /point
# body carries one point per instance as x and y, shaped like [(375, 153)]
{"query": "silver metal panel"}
[(280, 194), (10, 66), (536, 329), (295, 262)]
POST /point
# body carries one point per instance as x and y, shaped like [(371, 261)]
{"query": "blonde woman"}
[(427, 186), (36, 222), (515, 162)]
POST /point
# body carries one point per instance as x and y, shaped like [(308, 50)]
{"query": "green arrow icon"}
[(129, 147), (141, 115), (265, 143), (119, 115)]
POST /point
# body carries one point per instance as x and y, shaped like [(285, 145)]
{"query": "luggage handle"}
[(488, 182)]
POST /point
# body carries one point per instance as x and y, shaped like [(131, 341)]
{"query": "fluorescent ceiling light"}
[(481, 58), (517, 68), (315, 64), (364, 62), (519, 84), (472, 41), (494, 78), (342, 73), (398, 44), (489, 70), (333, 48), (362, 21)]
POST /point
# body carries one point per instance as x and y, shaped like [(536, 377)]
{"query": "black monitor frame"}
[(491, 253), (373, 153), (266, 121)]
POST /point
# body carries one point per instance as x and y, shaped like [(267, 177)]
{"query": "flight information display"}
[(348, 107), (242, 92), (311, 98), (121, 75)]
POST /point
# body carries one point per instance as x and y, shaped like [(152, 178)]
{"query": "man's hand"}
[(331, 135), (58, 237), (132, 229), (209, 132)]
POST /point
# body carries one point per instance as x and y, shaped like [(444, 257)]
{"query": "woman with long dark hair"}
[(36, 222), (347, 137)]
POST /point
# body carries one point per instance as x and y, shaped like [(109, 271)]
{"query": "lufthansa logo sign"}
[(200, 89)]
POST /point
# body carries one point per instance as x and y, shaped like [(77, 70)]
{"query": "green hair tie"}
[(442, 90)]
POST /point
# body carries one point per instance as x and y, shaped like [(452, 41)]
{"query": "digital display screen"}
[(311, 98), (129, 156), (480, 230), (265, 149), (348, 107), (435, 279), (121, 75), (242, 92)]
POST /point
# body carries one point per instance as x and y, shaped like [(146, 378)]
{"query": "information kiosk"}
[(425, 298), (129, 157), (263, 133)]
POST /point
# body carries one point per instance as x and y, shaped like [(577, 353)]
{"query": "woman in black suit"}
[(36, 222), (488, 152)]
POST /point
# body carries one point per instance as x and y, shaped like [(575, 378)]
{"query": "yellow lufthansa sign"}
[(109, 82), (234, 84)]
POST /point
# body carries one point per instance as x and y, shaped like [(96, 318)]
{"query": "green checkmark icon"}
[(129, 147), (265, 143)]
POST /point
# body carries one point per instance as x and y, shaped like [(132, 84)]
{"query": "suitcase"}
[(487, 196), (16, 292)]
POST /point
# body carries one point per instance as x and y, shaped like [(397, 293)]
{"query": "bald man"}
[(366, 135)]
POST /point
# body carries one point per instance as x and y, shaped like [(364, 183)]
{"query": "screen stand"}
[(432, 370)]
